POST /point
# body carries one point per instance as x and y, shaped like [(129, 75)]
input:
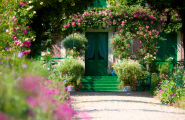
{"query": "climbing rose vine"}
[(134, 21)]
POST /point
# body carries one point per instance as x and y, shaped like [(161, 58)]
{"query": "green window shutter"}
[(99, 3), (168, 47)]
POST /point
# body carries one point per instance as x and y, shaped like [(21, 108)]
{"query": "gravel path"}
[(123, 106)]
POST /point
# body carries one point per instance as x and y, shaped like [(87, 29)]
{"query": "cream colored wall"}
[(179, 47), (110, 34)]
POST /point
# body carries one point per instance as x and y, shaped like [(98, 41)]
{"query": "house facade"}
[(99, 54)]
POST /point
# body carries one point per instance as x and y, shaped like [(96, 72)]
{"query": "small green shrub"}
[(72, 71), (128, 71), (79, 43)]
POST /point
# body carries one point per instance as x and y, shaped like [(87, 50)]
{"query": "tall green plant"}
[(79, 44), (127, 71)]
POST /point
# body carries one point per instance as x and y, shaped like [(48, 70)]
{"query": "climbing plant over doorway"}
[(138, 21)]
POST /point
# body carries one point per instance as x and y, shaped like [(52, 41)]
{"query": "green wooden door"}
[(96, 57), (168, 47)]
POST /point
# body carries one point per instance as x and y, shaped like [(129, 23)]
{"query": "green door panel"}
[(168, 47), (96, 59), (99, 3)]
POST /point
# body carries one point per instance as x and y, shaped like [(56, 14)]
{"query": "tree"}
[(50, 15)]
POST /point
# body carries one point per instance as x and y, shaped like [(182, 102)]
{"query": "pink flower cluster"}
[(46, 94), (23, 4)]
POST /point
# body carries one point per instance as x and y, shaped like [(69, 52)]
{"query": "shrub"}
[(26, 93), (172, 88), (72, 71), (79, 43), (128, 71)]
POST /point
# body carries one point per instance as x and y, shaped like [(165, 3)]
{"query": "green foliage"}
[(50, 17), (171, 88), (133, 21), (72, 71), (112, 66), (154, 82), (166, 68), (79, 43), (127, 71), (121, 46)]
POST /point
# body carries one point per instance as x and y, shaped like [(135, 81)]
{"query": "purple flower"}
[(66, 74), (5, 58), (20, 54), (64, 81), (25, 32), (6, 48), (49, 62), (24, 66)]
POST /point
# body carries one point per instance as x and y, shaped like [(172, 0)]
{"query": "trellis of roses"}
[(133, 21)]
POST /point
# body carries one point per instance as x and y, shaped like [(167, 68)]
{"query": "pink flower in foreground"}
[(25, 32), (112, 42), (73, 23), (27, 52), (3, 116), (85, 116), (32, 102), (79, 24), (128, 45), (27, 43), (23, 4), (147, 26), (6, 2)]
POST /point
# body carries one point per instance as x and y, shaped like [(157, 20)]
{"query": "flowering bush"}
[(172, 88), (15, 34), (72, 71), (30, 92), (128, 72)]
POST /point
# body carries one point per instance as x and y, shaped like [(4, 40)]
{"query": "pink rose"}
[(27, 43)]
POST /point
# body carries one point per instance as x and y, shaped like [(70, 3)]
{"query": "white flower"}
[(26, 39), (7, 30), (34, 12), (30, 7), (42, 54), (41, 3), (30, 2)]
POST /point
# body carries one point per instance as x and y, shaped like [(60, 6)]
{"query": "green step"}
[(100, 83), (100, 89)]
